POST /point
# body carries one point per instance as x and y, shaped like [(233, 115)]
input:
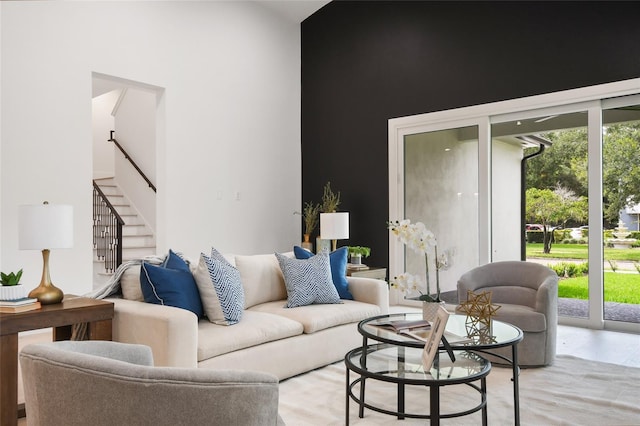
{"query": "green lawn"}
[(579, 251), (618, 287)]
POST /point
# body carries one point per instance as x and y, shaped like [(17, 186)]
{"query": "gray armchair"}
[(108, 383), (528, 296)]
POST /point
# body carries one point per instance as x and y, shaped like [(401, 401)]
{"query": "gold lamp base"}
[(46, 292)]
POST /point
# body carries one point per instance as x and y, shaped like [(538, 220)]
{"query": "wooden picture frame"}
[(433, 342)]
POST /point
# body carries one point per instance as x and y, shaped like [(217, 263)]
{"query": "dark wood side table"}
[(61, 316)]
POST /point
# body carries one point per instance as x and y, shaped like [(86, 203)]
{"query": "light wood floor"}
[(598, 345)]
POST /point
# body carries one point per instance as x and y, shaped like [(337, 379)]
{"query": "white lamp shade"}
[(45, 226), (334, 226)]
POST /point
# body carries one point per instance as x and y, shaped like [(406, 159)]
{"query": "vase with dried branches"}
[(330, 200), (310, 215)]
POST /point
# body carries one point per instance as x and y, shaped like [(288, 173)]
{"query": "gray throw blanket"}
[(112, 287)]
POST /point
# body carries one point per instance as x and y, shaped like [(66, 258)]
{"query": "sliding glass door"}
[(441, 190), (621, 209), (542, 216), (555, 179)]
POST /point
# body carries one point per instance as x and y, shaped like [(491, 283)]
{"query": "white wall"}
[(135, 130), (102, 124), (230, 121), (505, 214), (1, 204)]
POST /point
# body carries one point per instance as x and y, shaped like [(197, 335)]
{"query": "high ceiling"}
[(294, 10)]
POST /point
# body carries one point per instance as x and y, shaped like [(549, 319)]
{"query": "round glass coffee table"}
[(403, 366), (460, 334)]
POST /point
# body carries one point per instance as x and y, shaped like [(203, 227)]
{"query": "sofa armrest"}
[(171, 333), (370, 290)]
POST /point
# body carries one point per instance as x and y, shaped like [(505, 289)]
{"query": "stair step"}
[(130, 253), (110, 191), (125, 210), (136, 241), (132, 219), (140, 229)]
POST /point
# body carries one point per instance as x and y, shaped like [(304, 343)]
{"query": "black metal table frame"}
[(434, 386), (481, 348)]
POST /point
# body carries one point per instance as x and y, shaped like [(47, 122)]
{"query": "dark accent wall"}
[(364, 62)]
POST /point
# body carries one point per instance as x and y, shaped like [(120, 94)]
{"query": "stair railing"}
[(133, 163), (107, 230)]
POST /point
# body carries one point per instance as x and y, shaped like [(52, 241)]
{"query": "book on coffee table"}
[(399, 325), (415, 329)]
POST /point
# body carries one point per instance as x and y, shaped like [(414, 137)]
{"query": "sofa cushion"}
[(308, 281), (261, 278), (170, 287), (338, 261), (513, 295), (523, 317), (226, 302), (319, 317), (255, 328), (130, 284)]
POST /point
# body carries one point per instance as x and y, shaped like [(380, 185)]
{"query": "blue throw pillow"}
[(173, 261), (308, 281), (338, 261), (170, 287)]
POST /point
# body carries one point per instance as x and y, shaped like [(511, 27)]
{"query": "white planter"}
[(13, 292), (430, 309)]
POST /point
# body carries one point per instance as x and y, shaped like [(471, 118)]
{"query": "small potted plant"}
[(10, 287), (356, 253)]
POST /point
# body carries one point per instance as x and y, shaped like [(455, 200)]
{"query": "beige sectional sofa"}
[(269, 337)]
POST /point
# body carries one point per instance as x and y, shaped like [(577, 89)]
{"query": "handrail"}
[(107, 230), (133, 163)]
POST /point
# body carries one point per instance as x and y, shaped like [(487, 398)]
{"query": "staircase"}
[(138, 239)]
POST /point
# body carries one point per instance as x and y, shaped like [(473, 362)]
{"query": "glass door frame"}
[(591, 99), (397, 133)]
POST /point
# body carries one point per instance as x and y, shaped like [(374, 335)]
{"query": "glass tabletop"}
[(460, 332), (401, 364)]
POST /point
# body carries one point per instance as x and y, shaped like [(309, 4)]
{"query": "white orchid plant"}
[(417, 237)]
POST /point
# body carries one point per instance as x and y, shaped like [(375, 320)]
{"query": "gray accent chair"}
[(528, 296), (108, 383)]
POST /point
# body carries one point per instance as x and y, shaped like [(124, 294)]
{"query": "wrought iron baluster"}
[(107, 230)]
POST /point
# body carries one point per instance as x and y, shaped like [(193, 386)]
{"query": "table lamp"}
[(44, 227), (334, 226)]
